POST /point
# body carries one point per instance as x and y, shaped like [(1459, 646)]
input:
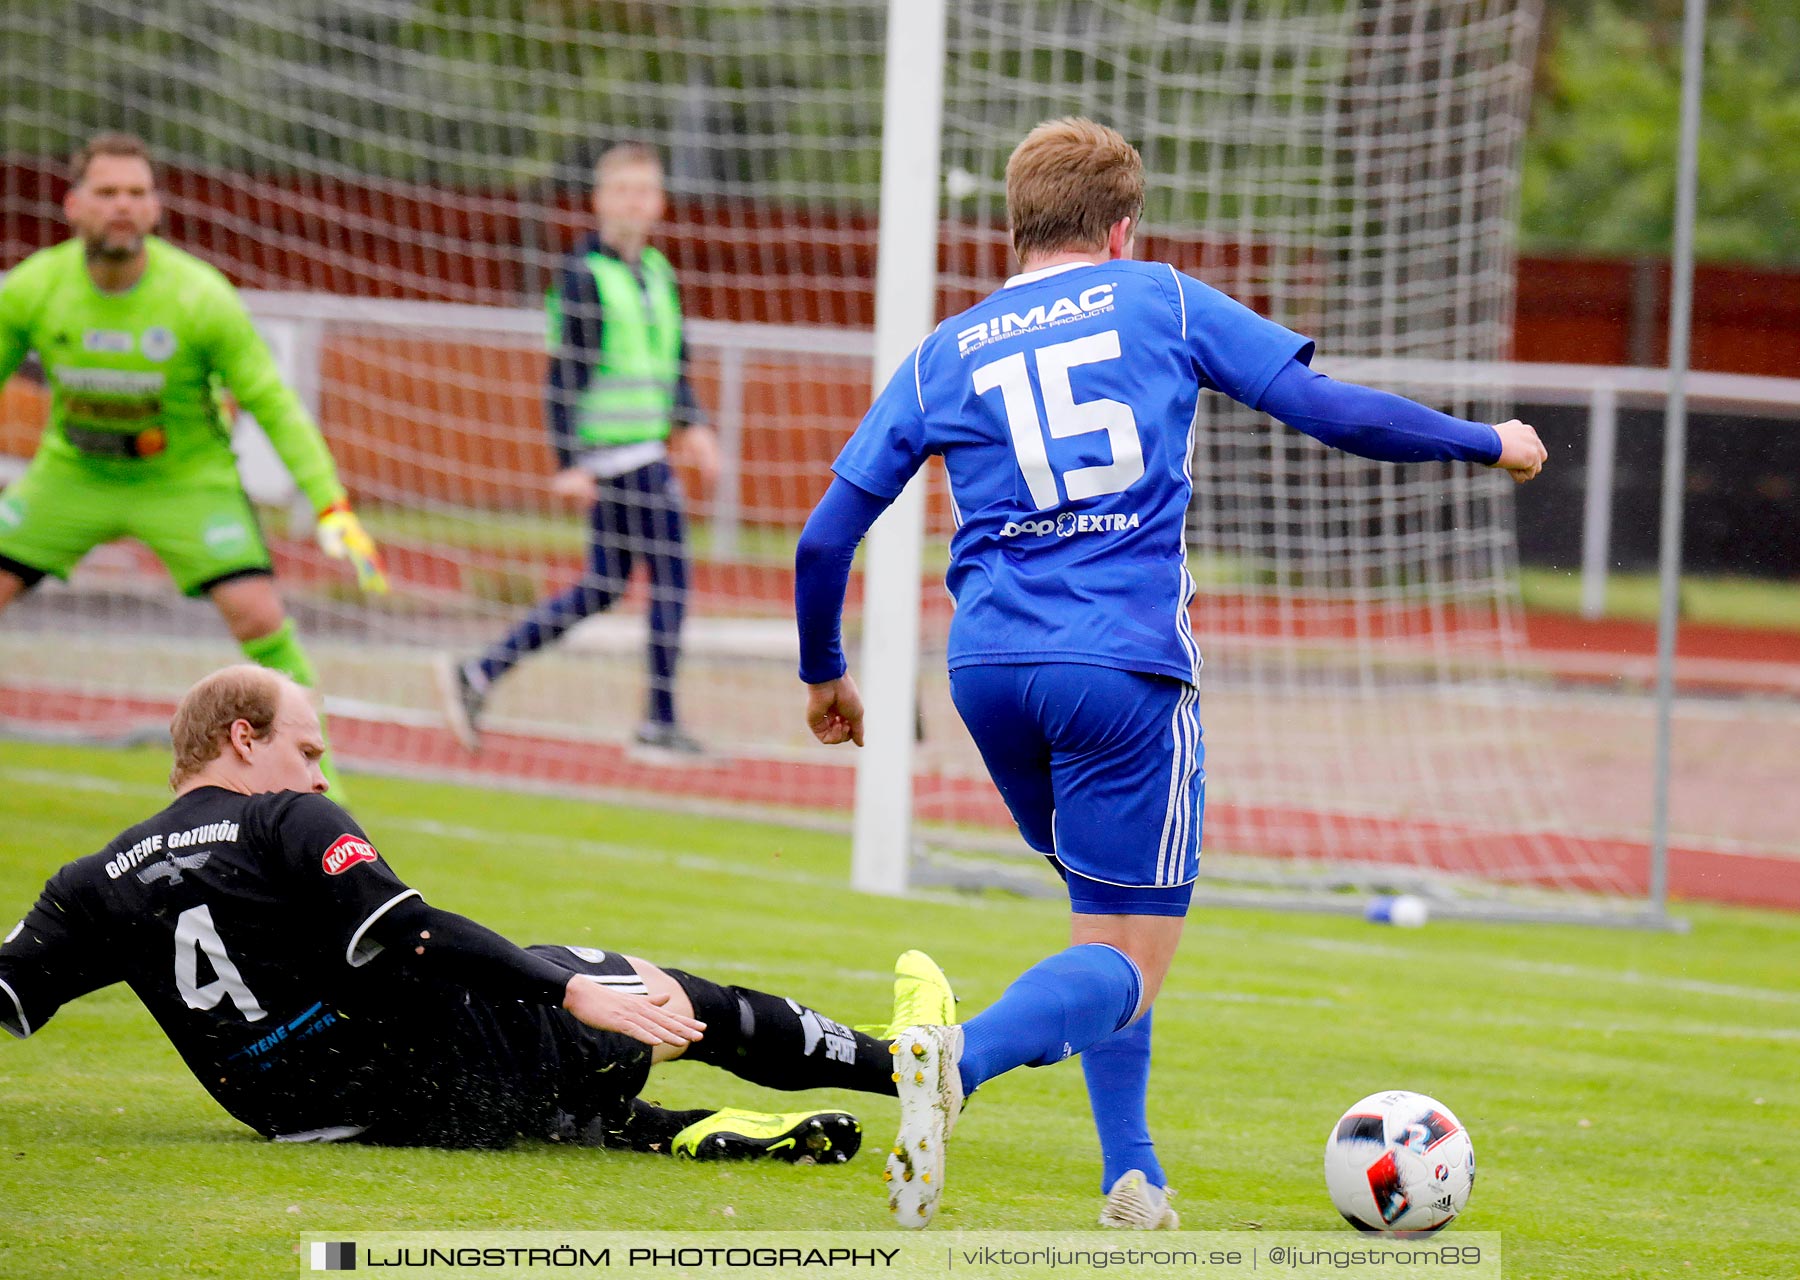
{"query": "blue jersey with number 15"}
[(1063, 407)]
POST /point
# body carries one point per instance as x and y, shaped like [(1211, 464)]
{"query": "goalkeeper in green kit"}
[(139, 342)]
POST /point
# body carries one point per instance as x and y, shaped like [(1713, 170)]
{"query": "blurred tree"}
[(1600, 158), (767, 94), (507, 94)]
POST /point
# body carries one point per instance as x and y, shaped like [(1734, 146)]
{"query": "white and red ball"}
[(1399, 1164)]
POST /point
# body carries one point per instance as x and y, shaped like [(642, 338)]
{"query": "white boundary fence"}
[(295, 324)]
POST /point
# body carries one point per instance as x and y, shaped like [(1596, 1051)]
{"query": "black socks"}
[(640, 1126), (781, 1044)]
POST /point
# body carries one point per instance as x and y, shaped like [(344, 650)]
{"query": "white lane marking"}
[(1554, 969), (699, 862)]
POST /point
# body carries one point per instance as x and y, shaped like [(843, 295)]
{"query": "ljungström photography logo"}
[(333, 1256)]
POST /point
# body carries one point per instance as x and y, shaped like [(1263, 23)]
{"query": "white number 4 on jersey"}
[(195, 933)]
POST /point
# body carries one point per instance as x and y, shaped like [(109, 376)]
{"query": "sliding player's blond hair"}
[(202, 724), (1068, 183)]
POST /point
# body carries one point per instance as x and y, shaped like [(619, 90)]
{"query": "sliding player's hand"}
[(1521, 452), (834, 711), (642, 1018), (342, 537)]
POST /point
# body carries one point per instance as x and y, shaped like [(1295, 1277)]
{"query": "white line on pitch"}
[(80, 782), (1702, 1030), (1626, 977), (499, 838)]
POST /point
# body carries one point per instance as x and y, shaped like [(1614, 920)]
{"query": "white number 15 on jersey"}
[(1066, 418)]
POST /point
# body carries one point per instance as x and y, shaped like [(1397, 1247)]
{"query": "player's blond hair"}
[(621, 154), (202, 724), (108, 144), (1068, 183)]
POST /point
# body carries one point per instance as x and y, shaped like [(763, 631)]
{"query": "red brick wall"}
[(797, 266), (463, 422), (1596, 311)]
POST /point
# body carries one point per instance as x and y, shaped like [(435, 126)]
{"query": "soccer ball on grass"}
[(1399, 1164)]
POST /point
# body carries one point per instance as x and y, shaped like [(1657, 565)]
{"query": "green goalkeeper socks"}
[(280, 651)]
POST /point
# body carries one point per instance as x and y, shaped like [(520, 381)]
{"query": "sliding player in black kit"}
[(318, 998)]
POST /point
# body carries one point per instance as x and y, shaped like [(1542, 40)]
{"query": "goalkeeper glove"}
[(342, 537)]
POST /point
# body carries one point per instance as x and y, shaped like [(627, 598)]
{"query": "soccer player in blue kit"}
[(1064, 408)]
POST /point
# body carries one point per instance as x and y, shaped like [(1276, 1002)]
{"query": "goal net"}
[(394, 183), (1350, 170)]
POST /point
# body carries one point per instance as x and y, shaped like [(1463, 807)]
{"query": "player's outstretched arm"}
[(243, 360), (453, 949), (383, 922), (1390, 428)]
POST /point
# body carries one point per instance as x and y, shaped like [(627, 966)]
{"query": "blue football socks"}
[(1058, 1007), (1118, 1079)]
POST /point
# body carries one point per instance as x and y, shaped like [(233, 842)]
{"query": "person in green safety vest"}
[(620, 410), (138, 342)]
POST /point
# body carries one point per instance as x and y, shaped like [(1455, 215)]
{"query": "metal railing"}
[(1602, 388), (295, 324)]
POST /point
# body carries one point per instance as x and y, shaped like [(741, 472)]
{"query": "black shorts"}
[(510, 1070)]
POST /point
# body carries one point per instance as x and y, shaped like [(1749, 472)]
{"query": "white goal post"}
[(905, 310)]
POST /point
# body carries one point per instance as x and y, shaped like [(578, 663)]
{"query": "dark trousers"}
[(637, 517)]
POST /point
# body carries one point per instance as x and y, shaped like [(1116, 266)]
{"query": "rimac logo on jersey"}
[(345, 852), (1092, 302)]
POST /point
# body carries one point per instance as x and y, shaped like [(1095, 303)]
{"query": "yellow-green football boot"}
[(922, 997), (799, 1137)]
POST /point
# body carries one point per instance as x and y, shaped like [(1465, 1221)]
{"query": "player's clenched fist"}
[(1521, 452), (834, 711)]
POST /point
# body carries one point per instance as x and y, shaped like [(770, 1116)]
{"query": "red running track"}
[(1694, 873)]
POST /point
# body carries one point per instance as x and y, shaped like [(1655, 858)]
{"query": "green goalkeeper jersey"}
[(136, 377)]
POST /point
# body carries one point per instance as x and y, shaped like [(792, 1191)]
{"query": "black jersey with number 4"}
[(240, 921)]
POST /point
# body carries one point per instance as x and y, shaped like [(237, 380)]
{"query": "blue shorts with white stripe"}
[(1103, 770)]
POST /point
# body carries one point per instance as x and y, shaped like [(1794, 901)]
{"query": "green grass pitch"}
[(1633, 1098)]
